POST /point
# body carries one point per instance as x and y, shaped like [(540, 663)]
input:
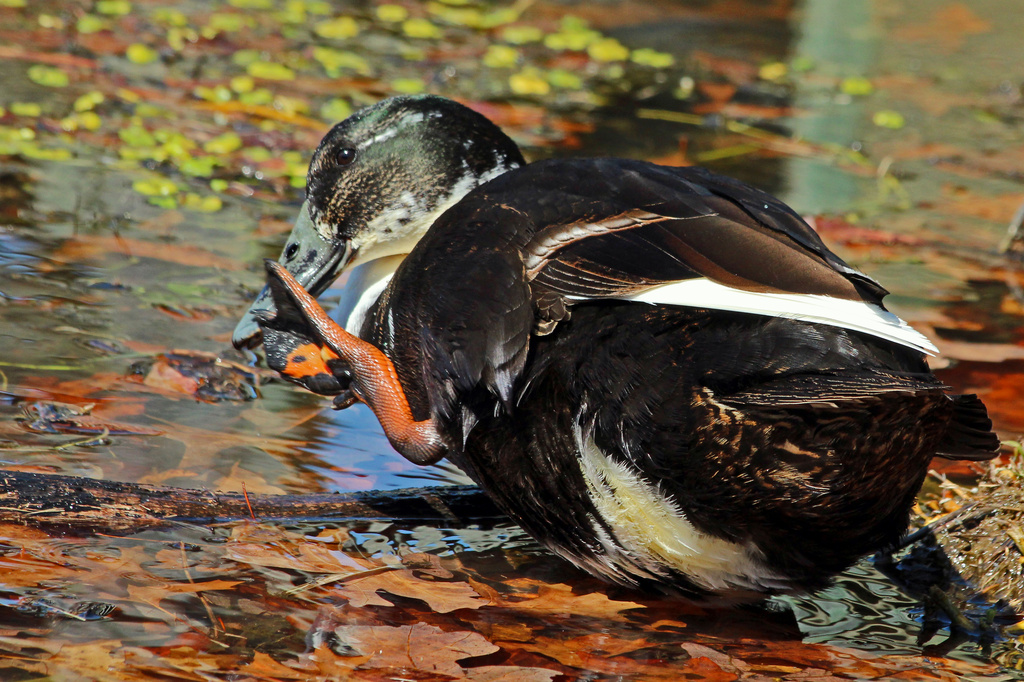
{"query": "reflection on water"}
[(863, 610)]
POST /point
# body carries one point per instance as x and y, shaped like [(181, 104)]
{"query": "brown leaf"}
[(559, 601), (948, 28), (419, 647), (510, 673), (999, 208), (595, 653), (305, 556), (440, 596), (263, 666), (98, 247), (179, 588)]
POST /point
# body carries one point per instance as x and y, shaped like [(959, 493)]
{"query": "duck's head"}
[(377, 182)]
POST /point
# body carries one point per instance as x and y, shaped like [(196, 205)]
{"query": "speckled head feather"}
[(404, 158), (377, 182)]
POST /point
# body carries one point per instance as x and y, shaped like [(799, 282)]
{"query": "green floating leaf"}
[(86, 120), (336, 61), (16, 134), (51, 21), (32, 151), (136, 136), (564, 80), (856, 85), (252, 4), (90, 23), (608, 50), (246, 57), (218, 184), (242, 84), (259, 97), (339, 28), (224, 144), (257, 154), (174, 142), (408, 86), (420, 28), (48, 76), (498, 17), (156, 187), (501, 57), (392, 14), (170, 17), (168, 203), (12, 3), (803, 64), (889, 119), (271, 71), (90, 120), (648, 57), (217, 93), (574, 35), (113, 7), (529, 82), (335, 109), (194, 202), (458, 16), (521, 35), (198, 166), (773, 71), (88, 101), (31, 109), (141, 54), (178, 37), (226, 22)]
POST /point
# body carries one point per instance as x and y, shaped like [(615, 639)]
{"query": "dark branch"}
[(83, 503)]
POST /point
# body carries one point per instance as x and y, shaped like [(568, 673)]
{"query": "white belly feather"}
[(651, 531)]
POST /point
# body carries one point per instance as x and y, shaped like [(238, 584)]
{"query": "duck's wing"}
[(610, 228)]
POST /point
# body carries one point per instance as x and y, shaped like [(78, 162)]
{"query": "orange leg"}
[(374, 379)]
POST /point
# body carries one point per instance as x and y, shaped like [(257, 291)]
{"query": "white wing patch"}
[(856, 316)]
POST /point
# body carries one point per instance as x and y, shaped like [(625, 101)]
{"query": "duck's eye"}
[(291, 250), (345, 156)]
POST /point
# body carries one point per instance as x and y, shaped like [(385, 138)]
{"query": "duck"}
[(662, 374)]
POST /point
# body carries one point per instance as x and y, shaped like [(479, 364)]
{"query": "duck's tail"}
[(970, 434)]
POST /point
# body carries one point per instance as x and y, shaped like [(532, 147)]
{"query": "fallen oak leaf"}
[(262, 666), (558, 600), (440, 596), (308, 557), (510, 673), (419, 647), (599, 653)]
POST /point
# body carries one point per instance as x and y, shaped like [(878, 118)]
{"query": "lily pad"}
[(49, 76)]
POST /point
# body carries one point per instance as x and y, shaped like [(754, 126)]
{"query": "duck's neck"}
[(362, 288), (400, 226)]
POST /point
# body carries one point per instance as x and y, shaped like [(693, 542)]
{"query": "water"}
[(94, 278)]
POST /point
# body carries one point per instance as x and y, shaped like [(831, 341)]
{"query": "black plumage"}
[(697, 449)]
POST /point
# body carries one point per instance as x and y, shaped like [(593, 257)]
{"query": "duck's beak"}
[(312, 260)]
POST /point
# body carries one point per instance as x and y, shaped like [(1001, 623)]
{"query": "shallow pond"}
[(151, 154)]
